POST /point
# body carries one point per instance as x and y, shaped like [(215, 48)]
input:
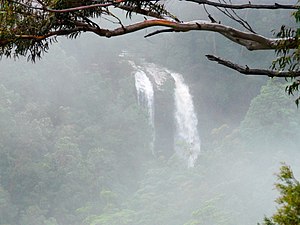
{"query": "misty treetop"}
[(289, 200)]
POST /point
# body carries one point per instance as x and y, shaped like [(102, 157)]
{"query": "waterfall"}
[(145, 97), (145, 93), (187, 142)]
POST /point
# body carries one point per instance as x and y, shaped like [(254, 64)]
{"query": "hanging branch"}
[(209, 15), (245, 6), (250, 40), (248, 71), (236, 18)]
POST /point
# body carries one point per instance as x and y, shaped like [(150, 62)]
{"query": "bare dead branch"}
[(209, 15), (245, 6), (235, 17), (247, 71)]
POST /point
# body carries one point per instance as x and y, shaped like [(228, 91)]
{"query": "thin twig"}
[(159, 32)]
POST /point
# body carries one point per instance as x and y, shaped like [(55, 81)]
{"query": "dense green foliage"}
[(289, 59), (289, 200), (29, 27)]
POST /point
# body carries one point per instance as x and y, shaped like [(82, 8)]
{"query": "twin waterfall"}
[(187, 142), (187, 137), (145, 96), (145, 93)]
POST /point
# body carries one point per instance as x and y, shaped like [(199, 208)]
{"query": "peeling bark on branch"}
[(250, 40), (247, 71)]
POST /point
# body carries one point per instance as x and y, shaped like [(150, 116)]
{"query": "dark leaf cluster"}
[(289, 200), (27, 26), (288, 57)]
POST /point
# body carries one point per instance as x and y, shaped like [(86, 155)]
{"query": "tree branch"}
[(83, 7), (245, 6), (116, 3), (141, 11), (250, 40), (159, 32), (247, 71)]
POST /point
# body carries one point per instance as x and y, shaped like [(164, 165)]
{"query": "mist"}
[(131, 131)]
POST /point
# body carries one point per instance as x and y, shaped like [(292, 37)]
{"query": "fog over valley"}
[(147, 131)]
